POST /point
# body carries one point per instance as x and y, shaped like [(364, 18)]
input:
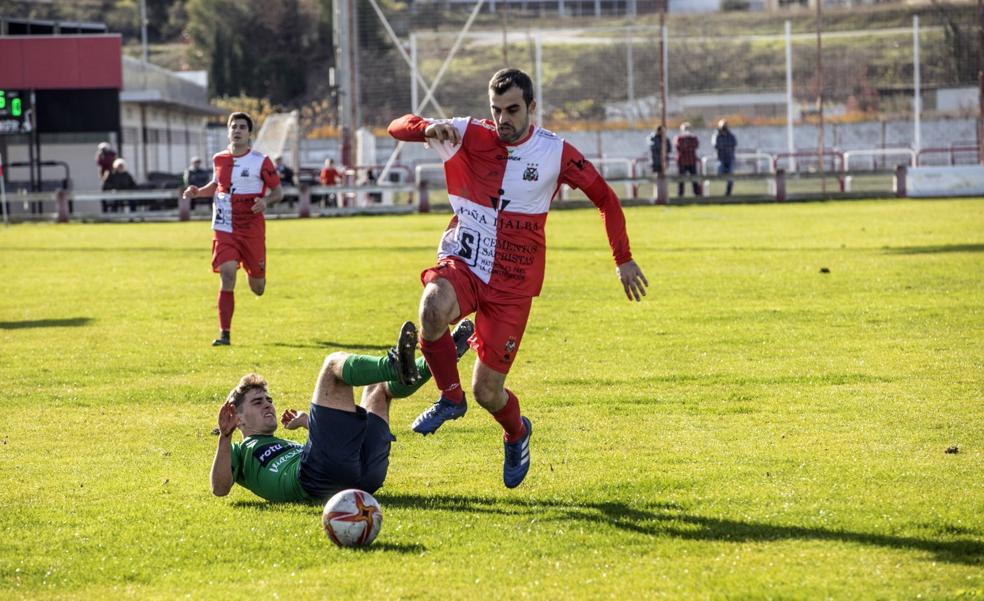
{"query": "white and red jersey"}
[(500, 194), (240, 181)]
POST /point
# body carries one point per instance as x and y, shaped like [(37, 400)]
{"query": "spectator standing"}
[(118, 178), (659, 144), (725, 142), (686, 145), (330, 176), (196, 175), (105, 155)]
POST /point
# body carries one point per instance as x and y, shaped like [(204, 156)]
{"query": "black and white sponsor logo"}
[(264, 454)]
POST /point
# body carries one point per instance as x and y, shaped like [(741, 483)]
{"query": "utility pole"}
[(143, 33), (346, 76), (662, 82), (820, 140), (505, 35), (980, 81)]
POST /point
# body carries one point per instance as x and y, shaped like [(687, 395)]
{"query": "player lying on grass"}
[(348, 446)]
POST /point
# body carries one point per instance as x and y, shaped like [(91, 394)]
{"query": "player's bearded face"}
[(510, 114)]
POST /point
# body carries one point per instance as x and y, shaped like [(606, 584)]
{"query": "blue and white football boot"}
[(517, 460)]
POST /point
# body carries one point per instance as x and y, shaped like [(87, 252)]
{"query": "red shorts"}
[(249, 251), (500, 317)]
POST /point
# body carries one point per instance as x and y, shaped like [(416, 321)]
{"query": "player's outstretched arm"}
[(222, 480), (293, 419), (633, 281), (408, 128)]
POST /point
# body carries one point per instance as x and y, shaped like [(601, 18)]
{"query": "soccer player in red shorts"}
[(502, 175), (244, 185)]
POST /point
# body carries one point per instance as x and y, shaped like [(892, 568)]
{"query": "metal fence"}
[(749, 69)]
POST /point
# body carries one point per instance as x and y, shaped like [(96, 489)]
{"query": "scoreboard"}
[(15, 111)]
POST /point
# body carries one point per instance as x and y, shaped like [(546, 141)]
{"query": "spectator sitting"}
[(286, 179), (686, 145), (195, 175), (105, 155), (118, 179), (286, 173), (658, 144), (725, 142)]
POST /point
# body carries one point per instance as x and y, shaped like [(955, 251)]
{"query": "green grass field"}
[(755, 429)]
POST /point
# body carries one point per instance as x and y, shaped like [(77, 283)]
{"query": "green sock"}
[(399, 391), (359, 370)]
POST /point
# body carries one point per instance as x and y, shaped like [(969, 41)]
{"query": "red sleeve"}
[(603, 197), (269, 174), (408, 128), (575, 170)]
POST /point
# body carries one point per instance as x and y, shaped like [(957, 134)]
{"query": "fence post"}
[(184, 208), (61, 203), (304, 203), (900, 173), (424, 206), (780, 185), (662, 190)]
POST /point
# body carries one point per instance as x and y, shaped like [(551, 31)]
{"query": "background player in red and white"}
[(244, 185), (502, 176)]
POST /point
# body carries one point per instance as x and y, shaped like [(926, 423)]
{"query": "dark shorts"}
[(344, 450)]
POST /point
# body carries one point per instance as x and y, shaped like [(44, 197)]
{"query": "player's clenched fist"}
[(443, 132)]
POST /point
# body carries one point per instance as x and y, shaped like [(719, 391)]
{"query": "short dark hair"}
[(244, 117), (507, 78), (248, 382)]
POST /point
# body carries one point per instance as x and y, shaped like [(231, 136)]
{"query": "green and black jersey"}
[(269, 467)]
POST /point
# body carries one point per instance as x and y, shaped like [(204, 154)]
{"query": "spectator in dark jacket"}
[(686, 145), (118, 179), (286, 173), (725, 142), (658, 144)]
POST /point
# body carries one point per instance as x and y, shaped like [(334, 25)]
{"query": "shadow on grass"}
[(336, 345), (930, 250), (305, 509), (671, 520), (267, 506), (70, 322)]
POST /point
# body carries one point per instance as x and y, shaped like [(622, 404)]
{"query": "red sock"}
[(442, 360), (509, 418), (227, 304)]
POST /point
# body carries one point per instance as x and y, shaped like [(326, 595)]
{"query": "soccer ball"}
[(352, 518)]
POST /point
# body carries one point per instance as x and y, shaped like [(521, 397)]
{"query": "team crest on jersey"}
[(531, 174), (244, 172)]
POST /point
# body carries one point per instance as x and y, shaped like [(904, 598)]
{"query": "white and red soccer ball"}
[(352, 518)]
